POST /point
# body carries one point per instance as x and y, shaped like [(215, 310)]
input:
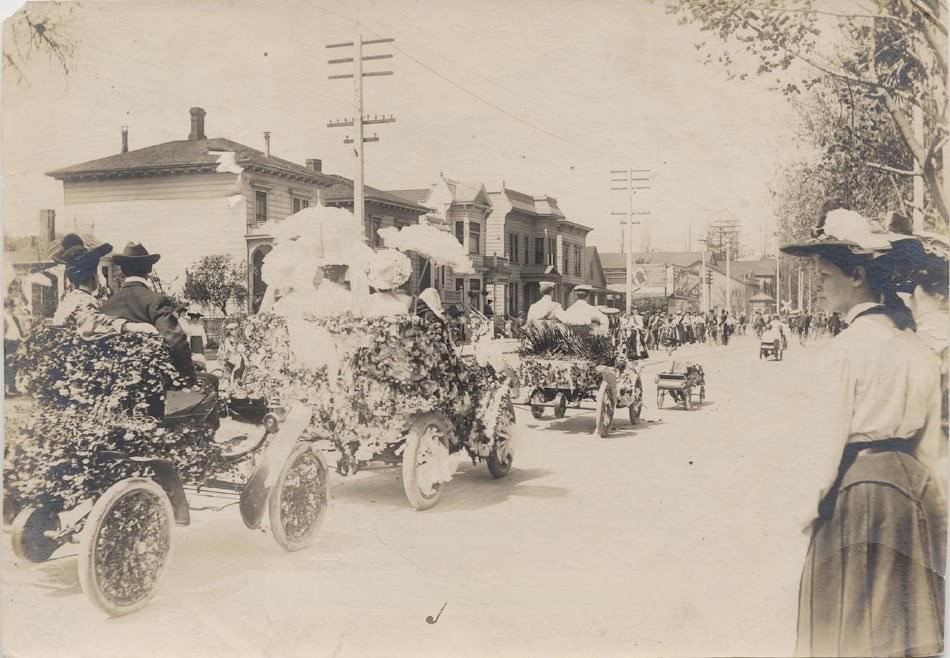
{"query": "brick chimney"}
[(197, 124), (125, 139), (315, 164), (47, 233)]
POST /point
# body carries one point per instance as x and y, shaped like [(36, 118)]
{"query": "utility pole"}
[(778, 281), (703, 292), (630, 188), (359, 120), (725, 233)]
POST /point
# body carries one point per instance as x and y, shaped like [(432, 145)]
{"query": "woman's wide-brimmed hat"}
[(430, 297), (389, 269), (133, 253), (845, 231), (80, 261)]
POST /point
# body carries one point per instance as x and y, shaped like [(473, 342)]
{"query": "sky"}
[(547, 96)]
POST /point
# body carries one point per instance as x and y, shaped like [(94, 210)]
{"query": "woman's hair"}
[(885, 276)]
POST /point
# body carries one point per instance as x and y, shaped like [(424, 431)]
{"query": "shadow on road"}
[(471, 488)]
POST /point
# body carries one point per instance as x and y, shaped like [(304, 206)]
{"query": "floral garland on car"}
[(573, 375), (86, 397), (390, 369)]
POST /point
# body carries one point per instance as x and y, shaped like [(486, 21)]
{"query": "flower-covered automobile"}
[(563, 365), (394, 391), (100, 455)]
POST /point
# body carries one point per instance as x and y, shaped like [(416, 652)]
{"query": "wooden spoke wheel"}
[(560, 404), (605, 410), (536, 398), (502, 453), (125, 546), (298, 500), (419, 457), (636, 406)]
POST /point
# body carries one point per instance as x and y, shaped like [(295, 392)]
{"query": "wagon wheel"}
[(702, 394), (659, 398), (298, 500), (28, 538), (605, 410), (536, 409), (687, 394), (419, 458), (560, 404), (502, 453), (637, 405), (125, 546)]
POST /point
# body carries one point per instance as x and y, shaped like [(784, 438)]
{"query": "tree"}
[(39, 27), (883, 62), (216, 281)]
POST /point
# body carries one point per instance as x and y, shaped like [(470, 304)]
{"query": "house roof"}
[(543, 206), (341, 192), (419, 196), (185, 155), (465, 192), (761, 267), (618, 261)]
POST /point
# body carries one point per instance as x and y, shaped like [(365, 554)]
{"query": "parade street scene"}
[(589, 328)]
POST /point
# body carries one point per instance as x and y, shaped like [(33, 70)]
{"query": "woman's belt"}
[(851, 451)]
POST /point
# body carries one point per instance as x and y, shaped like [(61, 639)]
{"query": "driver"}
[(137, 302), (582, 313)]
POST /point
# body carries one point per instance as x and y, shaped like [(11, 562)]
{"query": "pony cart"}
[(682, 384), (91, 468)]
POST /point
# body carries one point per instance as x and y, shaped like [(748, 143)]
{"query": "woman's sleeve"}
[(93, 324)]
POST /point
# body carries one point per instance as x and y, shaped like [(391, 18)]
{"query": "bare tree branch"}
[(892, 170)]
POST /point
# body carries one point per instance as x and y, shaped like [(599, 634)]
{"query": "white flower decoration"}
[(389, 269)]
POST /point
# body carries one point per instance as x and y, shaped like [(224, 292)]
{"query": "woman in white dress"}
[(873, 579), (388, 270)]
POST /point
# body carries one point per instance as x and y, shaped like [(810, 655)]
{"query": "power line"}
[(477, 96)]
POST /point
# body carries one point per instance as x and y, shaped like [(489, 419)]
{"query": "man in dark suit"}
[(137, 302)]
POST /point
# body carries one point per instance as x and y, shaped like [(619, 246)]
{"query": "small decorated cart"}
[(563, 366), (395, 392), (771, 349), (84, 464), (683, 384)]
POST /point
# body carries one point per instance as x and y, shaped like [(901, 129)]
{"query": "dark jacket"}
[(135, 302)]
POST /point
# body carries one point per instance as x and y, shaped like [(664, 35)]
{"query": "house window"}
[(460, 284), (567, 260), (510, 247), (577, 261), (539, 251), (514, 248), (552, 251), (260, 207), (375, 223), (460, 232), (512, 299), (525, 241), (299, 204), (474, 238)]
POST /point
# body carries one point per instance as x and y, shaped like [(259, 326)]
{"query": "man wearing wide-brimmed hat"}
[(545, 308), (137, 302), (582, 313), (80, 307)]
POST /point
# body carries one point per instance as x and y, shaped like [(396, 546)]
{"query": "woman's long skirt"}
[(873, 580)]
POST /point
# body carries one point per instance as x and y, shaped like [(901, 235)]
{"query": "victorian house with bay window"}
[(515, 241)]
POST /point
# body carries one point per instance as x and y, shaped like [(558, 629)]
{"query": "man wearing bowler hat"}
[(137, 302)]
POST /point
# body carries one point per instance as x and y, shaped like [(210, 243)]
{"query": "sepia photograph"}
[(467, 328)]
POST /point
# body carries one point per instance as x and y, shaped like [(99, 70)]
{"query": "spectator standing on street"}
[(873, 579)]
